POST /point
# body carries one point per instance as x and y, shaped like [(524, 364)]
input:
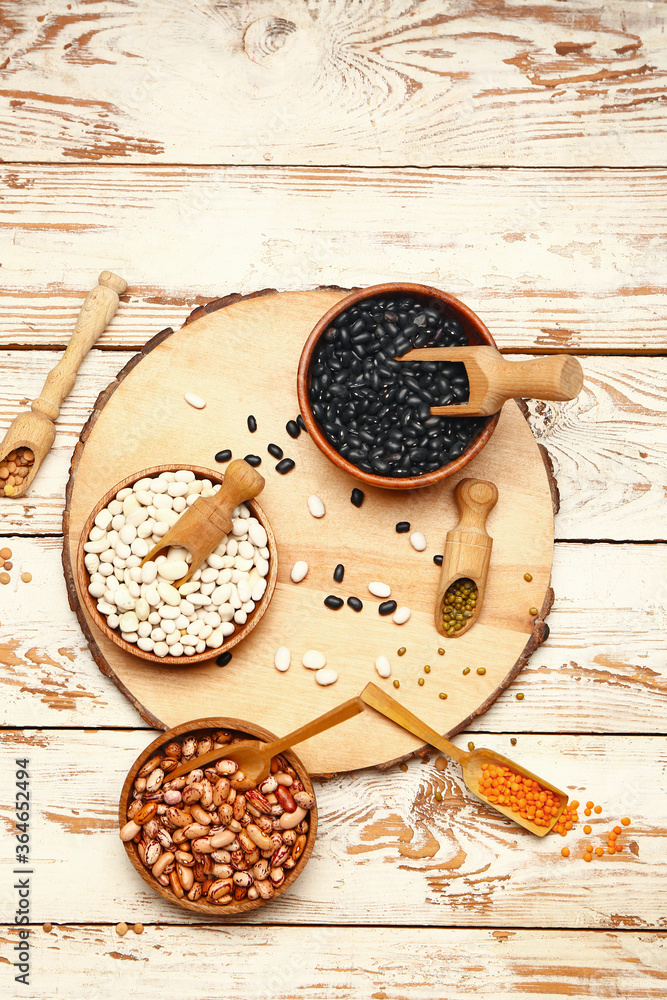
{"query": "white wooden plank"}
[(386, 963), (387, 852), (609, 446), (386, 82), (550, 259), (601, 670)]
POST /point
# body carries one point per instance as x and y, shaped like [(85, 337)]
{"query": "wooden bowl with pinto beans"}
[(202, 843)]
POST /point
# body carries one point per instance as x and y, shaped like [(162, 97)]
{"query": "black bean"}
[(357, 497), (223, 659), (253, 460), (437, 560), (300, 422), (339, 573), (252, 424), (285, 466), (355, 603), (387, 608), (334, 602), (224, 455), (275, 450), (292, 428), (402, 527)]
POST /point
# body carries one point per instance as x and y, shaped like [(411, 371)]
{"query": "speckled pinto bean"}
[(206, 837)]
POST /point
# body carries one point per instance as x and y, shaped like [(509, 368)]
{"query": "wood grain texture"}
[(387, 852), (382, 83), (550, 260), (146, 420), (605, 650), (400, 963), (609, 447)]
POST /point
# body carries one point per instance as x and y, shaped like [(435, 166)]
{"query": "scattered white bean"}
[(326, 676), (418, 541), (314, 660), (195, 401), (282, 659), (378, 589), (401, 615), (299, 571), (316, 506), (383, 666)]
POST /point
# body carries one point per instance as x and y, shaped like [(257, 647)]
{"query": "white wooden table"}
[(510, 153)]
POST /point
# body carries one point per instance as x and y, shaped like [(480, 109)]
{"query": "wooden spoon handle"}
[(96, 313), (476, 499), (339, 714), (375, 697), (241, 482), (558, 377)]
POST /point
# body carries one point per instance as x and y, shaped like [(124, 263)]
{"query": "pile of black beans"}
[(375, 410)]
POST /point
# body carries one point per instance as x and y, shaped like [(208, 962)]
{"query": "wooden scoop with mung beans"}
[(515, 792), (30, 436)]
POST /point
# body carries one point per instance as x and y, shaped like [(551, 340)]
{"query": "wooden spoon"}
[(200, 528), (36, 430), (470, 762), (493, 380), (254, 758), (467, 552)]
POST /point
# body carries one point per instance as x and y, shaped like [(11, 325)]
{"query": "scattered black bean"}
[(339, 573), (252, 424), (285, 466), (300, 422), (223, 659), (355, 603), (275, 450), (387, 608), (437, 560), (357, 497), (334, 602), (224, 455), (374, 409), (292, 428), (402, 527), (253, 460)]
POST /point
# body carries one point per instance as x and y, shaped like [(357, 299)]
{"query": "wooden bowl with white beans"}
[(207, 616), (204, 844)]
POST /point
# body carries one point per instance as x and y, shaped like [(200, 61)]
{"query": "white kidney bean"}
[(314, 659), (194, 400), (299, 571), (379, 589), (326, 676), (401, 615), (418, 541), (316, 506), (282, 659), (383, 666)]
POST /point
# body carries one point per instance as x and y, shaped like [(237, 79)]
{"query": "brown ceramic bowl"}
[(241, 632), (476, 333), (200, 728)]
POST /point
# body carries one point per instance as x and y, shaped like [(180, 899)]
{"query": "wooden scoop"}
[(36, 430), (471, 763), (493, 380), (467, 548), (201, 527), (254, 758)]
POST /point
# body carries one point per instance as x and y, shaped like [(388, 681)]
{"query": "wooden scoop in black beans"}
[(375, 410)]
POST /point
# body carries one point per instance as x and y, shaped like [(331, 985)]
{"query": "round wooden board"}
[(242, 358)]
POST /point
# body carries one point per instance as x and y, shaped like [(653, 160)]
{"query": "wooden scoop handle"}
[(341, 713), (96, 312), (558, 377), (375, 697), (241, 482), (468, 546)]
